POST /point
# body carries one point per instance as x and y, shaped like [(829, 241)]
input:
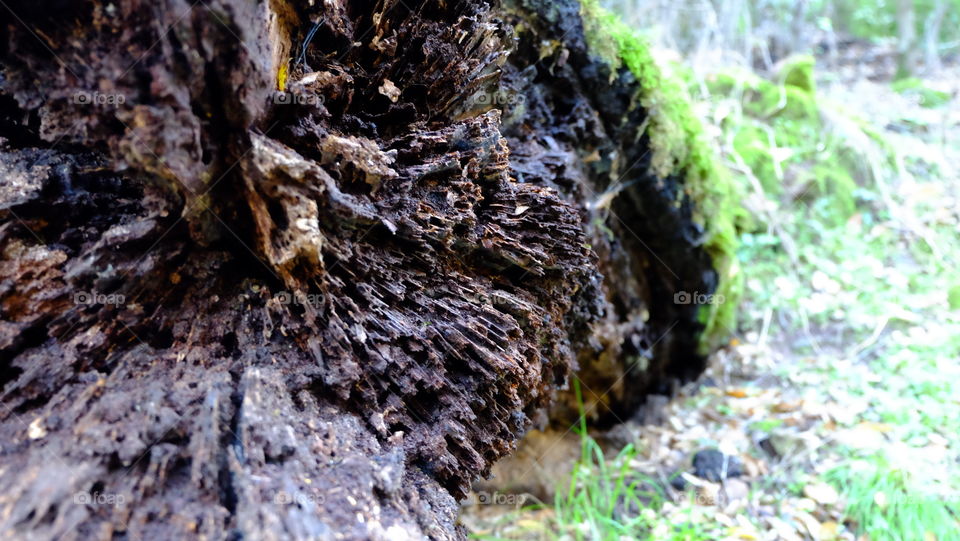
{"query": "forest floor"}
[(835, 409)]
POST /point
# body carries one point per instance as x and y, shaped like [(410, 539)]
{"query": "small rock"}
[(712, 465), (768, 448), (678, 482), (36, 430)]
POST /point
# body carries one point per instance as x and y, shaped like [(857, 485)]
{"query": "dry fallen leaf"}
[(707, 493), (821, 493), (744, 532), (783, 530), (754, 467), (810, 523), (724, 519), (828, 530), (787, 407), (531, 525), (883, 428), (735, 489)]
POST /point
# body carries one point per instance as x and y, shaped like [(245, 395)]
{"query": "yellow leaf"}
[(282, 77), (883, 428), (528, 524), (743, 533)]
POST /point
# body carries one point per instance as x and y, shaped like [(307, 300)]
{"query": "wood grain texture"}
[(322, 313)]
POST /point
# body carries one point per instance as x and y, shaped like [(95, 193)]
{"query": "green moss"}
[(766, 99), (780, 134), (672, 126), (927, 97), (910, 507), (679, 147), (797, 72), (953, 297), (838, 185), (752, 143)]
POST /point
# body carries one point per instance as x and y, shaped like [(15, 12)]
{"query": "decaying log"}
[(279, 270)]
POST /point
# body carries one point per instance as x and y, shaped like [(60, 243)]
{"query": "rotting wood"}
[(322, 312)]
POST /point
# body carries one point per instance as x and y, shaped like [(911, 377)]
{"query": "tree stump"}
[(277, 270)]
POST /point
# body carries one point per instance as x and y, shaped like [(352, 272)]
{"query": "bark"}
[(234, 312)]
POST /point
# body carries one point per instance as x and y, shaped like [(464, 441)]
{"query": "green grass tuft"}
[(886, 503)]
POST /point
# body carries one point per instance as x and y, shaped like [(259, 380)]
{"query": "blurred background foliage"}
[(763, 31)]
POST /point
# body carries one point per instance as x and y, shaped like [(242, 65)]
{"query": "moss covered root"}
[(679, 148)]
